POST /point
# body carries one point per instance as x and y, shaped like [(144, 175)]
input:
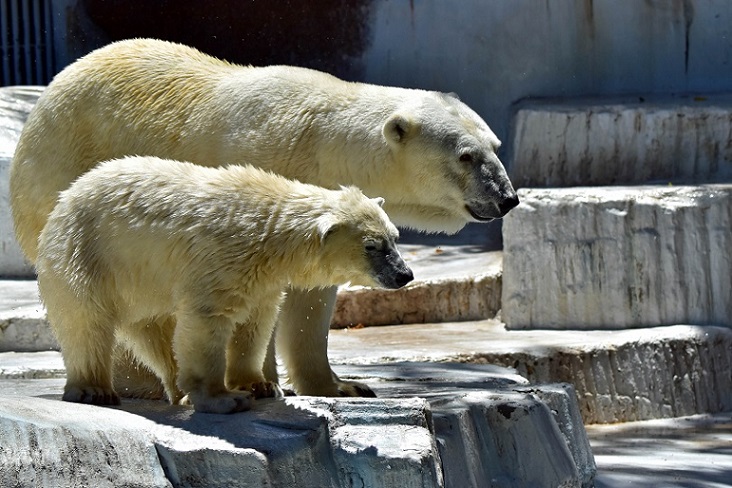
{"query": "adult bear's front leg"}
[(302, 341)]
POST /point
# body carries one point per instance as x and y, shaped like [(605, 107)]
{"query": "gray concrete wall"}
[(495, 53)]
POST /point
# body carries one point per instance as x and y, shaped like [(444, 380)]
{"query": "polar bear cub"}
[(207, 250)]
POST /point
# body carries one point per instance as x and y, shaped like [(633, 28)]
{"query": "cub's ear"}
[(379, 201), (398, 128), (326, 225)]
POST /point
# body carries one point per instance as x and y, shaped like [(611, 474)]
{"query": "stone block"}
[(596, 142), (618, 257), (489, 440), (23, 325), (16, 103), (48, 443)]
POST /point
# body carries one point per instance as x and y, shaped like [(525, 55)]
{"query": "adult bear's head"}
[(445, 158)]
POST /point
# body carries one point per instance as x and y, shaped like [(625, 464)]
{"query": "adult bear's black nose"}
[(508, 203)]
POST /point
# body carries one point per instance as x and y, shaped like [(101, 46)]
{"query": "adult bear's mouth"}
[(478, 217)]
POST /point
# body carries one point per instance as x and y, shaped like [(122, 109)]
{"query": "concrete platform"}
[(434, 425), (619, 376), (681, 452), (452, 283)]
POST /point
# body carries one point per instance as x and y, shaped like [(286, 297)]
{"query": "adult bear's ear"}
[(398, 128), (378, 201)]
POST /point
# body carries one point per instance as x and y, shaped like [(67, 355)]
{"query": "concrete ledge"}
[(475, 426), (618, 257), (451, 283), (625, 141), (650, 374), (619, 376), (444, 300), (23, 325), (16, 103)]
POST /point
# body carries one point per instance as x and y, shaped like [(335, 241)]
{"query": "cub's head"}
[(359, 243), (446, 166)]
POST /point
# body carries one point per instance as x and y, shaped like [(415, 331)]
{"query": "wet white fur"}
[(152, 97), (142, 237)]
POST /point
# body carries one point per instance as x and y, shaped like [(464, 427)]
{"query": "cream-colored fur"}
[(142, 237), (427, 153)]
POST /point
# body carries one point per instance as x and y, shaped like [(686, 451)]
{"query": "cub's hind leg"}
[(86, 333)]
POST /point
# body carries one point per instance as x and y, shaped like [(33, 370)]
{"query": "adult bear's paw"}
[(354, 389)]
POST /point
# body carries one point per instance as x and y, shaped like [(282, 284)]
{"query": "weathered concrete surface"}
[(685, 452), (619, 257), (619, 376), (587, 143), (23, 325), (451, 283), (479, 426), (15, 104)]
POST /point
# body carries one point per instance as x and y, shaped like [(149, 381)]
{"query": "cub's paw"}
[(354, 389), (230, 402), (93, 395), (264, 389), (259, 388)]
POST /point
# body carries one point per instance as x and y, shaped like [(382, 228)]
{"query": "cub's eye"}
[(371, 246), (466, 158)]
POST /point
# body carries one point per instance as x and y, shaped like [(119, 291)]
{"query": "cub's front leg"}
[(246, 353), (200, 348)]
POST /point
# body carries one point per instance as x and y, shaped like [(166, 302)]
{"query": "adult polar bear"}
[(430, 156)]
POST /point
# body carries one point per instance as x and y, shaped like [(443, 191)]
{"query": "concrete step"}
[(452, 282), (625, 141), (618, 257), (687, 451), (619, 376), (455, 279), (434, 425)]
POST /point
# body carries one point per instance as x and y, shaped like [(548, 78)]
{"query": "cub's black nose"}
[(506, 205), (404, 277)]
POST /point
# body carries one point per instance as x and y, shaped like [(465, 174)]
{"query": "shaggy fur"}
[(427, 153)]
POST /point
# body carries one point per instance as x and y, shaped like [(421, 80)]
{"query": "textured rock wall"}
[(619, 257), (447, 300), (628, 142), (668, 372)]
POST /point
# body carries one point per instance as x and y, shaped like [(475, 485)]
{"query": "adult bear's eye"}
[(466, 158)]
